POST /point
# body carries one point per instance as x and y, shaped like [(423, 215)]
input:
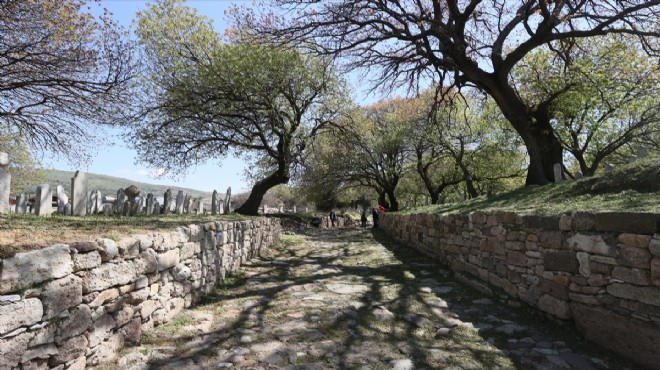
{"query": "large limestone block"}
[(649, 294), (26, 312), (60, 294), (628, 337), (86, 261), (168, 259), (12, 349), (26, 269), (78, 321), (100, 330), (554, 306), (591, 244), (69, 350), (108, 275)]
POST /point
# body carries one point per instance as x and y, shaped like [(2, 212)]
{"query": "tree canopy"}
[(463, 43), (61, 69), (209, 98)]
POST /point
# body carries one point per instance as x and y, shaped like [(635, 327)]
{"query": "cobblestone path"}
[(352, 299)]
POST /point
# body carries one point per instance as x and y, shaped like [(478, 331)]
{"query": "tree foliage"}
[(61, 69), (209, 98), (464, 43), (608, 95)]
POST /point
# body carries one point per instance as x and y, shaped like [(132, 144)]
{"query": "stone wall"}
[(71, 306), (600, 270)]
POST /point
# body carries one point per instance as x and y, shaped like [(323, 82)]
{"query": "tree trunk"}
[(394, 204), (544, 152), (251, 205)]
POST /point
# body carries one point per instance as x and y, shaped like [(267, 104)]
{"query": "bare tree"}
[(61, 69), (460, 43)]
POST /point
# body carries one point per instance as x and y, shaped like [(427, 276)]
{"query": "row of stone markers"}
[(128, 201)]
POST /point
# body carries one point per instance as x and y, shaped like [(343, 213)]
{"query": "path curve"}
[(353, 299)]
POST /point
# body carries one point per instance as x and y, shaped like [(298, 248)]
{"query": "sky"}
[(119, 160)]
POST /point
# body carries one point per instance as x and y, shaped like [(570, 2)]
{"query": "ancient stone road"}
[(352, 299)]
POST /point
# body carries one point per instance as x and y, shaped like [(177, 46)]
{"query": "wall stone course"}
[(575, 259), (110, 291), (30, 268)]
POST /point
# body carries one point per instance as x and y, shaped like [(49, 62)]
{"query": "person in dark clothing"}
[(374, 215), (363, 218), (333, 218)]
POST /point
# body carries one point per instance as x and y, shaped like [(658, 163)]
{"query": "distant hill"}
[(110, 184)]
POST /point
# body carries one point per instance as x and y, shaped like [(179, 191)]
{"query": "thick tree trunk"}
[(544, 151), (251, 205), (394, 203)]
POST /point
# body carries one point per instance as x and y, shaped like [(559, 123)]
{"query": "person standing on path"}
[(363, 218), (333, 217), (374, 215)]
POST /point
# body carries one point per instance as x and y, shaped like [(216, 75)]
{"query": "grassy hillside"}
[(109, 184), (631, 188)]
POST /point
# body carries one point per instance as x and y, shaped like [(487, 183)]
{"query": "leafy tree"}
[(210, 98), (607, 96), (60, 70), (23, 167), (464, 43), (376, 148)]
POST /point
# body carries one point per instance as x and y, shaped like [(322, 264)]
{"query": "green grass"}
[(632, 188)]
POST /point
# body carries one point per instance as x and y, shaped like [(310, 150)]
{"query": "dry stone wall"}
[(69, 306), (600, 270)]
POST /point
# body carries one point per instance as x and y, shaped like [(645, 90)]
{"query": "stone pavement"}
[(353, 299)]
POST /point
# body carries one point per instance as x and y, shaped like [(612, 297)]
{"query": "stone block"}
[(69, 350), (632, 275), (25, 312), (133, 331), (635, 257), (78, 321), (168, 259), (597, 280), (516, 258), (39, 352), (61, 294), (635, 240), (565, 222), (628, 337), (107, 350), (30, 268), (84, 247), (104, 296), (100, 330), (584, 298), (12, 349), (649, 294), (124, 316), (147, 262), (654, 245), (148, 307), (549, 223), (552, 288), (86, 261), (109, 275), (655, 271), (585, 263), (591, 244), (129, 247), (560, 261), (639, 223), (107, 249), (554, 306), (550, 240)]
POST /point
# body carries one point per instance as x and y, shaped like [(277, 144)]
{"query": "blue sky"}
[(118, 160)]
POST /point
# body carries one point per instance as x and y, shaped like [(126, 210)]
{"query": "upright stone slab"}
[(21, 204), (179, 202), (121, 199), (91, 204), (187, 203), (557, 171), (79, 194), (44, 201), (5, 183), (167, 202), (98, 198), (221, 207), (62, 198), (228, 201), (150, 204), (214, 202), (156, 210)]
